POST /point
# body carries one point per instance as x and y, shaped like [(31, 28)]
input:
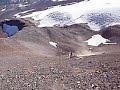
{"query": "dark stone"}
[(112, 33)]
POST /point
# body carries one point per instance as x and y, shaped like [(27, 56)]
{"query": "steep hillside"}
[(60, 45)]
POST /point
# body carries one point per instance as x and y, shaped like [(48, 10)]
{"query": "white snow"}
[(18, 14), (112, 24), (21, 5), (79, 13), (3, 9), (96, 40), (58, 0), (53, 44)]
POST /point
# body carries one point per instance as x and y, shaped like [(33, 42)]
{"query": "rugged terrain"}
[(28, 61)]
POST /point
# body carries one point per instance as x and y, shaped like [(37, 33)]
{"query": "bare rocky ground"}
[(60, 73), (29, 62)]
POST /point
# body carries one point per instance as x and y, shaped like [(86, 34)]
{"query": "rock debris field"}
[(29, 62)]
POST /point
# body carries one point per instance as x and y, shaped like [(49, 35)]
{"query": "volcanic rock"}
[(112, 33)]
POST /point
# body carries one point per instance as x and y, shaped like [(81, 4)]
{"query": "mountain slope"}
[(60, 56)]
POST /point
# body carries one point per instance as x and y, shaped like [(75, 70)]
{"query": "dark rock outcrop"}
[(112, 33)]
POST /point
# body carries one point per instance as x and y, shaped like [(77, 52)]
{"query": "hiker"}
[(70, 54)]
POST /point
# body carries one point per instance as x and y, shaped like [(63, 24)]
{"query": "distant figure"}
[(70, 54)]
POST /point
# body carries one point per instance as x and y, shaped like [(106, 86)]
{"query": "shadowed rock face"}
[(112, 33)]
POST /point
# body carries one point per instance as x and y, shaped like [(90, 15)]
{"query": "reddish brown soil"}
[(2, 34)]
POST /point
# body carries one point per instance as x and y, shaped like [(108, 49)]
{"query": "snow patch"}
[(18, 15), (58, 0), (112, 24), (53, 44), (21, 5), (3, 9), (96, 40)]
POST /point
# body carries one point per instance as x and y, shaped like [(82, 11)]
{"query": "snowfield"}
[(97, 13), (99, 19), (56, 18)]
